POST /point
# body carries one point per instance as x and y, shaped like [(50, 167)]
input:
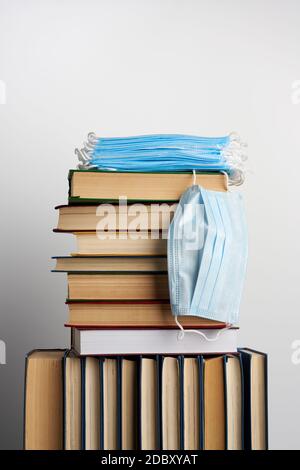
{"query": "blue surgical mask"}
[(165, 152), (206, 277)]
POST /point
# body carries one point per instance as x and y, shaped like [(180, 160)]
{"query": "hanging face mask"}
[(207, 254)]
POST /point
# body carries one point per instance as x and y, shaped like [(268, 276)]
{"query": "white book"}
[(153, 341)]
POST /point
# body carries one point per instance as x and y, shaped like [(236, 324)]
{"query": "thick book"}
[(129, 403), (91, 404), (214, 404), (234, 402), (141, 243), (223, 403), (43, 410), (149, 404), (255, 371), (131, 314), (111, 404), (118, 286), (73, 409), (82, 264), (101, 403), (76, 218), (192, 402), (152, 341), (87, 186), (171, 403)]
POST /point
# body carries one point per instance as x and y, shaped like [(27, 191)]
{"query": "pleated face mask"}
[(165, 152), (207, 255)]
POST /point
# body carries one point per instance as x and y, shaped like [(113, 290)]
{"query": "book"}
[(255, 370), (72, 401), (99, 264), (111, 410), (170, 404), (149, 404), (192, 403), (121, 243), (214, 404), (129, 403), (43, 410), (118, 286), (233, 402), (91, 403), (151, 341), (113, 217), (87, 186), (131, 314)]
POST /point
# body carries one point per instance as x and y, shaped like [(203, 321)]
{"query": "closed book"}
[(118, 286), (129, 403), (255, 371), (73, 409), (234, 402), (131, 314), (111, 404), (43, 411), (82, 264), (170, 403), (149, 404), (91, 404), (192, 402), (141, 243), (76, 218), (214, 404), (152, 341), (87, 186)]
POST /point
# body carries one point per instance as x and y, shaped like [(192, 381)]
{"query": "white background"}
[(133, 67)]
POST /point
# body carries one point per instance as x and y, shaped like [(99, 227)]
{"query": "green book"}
[(94, 186)]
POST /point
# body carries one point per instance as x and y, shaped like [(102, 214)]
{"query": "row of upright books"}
[(128, 380), (157, 402)]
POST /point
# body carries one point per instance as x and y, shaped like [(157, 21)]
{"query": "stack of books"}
[(129, 381)]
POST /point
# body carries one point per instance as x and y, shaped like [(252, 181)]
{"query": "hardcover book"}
[(86, 186)]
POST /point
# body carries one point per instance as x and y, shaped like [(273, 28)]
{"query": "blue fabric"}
[(160, 153), (207, 255)]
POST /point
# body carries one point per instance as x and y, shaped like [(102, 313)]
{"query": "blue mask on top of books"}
[(165, 152), (207, 254)]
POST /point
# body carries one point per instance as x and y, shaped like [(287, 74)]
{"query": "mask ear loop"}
[(227, 179), (182, 331), (194, 177)]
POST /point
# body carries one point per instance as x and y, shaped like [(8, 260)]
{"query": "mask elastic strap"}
[(227, 179), (194, 177), (200, 333)]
